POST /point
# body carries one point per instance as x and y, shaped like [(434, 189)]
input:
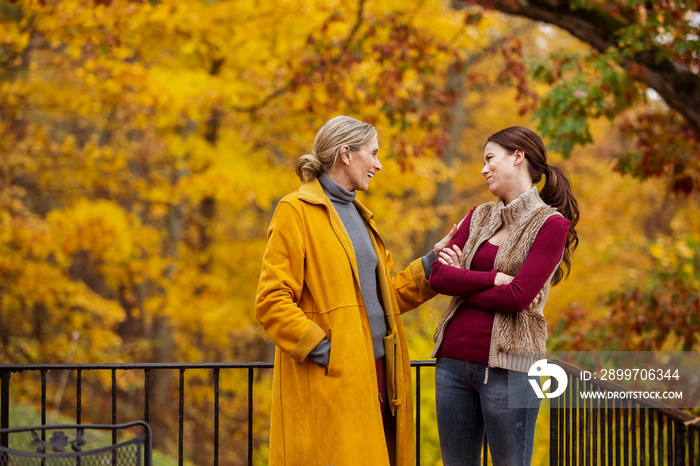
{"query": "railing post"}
[(553, 431), (43, 403), (147, 395), (679, 444), (216, 416), (79, 397), (5, 405), (250, 416), (418, 415), (181, 420)]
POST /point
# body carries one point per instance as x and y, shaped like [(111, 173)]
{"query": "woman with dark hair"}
[(499, 268)]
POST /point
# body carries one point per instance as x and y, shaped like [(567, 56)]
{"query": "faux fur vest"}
[(518, 338)]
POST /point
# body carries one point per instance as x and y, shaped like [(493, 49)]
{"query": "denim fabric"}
[(468, 404)]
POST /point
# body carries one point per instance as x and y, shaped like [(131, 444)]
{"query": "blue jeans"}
[(468, 405)]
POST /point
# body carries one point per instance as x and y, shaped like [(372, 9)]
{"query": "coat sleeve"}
[(281, 284), (411, 287)]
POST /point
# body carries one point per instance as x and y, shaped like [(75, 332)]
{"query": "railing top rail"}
[(423, 363), (159, 365), (144, 365)]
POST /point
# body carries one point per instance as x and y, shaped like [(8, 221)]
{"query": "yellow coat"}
[(309, 289)]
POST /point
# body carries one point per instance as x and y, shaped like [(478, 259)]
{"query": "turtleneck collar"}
[(524, 203), (334, 191)]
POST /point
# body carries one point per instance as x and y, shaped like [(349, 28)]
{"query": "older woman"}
[(342, 382), (499, 268)]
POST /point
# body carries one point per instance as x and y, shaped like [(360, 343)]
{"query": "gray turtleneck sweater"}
[(366, 257)]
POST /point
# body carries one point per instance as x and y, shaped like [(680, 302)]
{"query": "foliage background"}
[(144, 145)]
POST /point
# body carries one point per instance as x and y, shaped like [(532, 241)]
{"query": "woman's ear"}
[(519, 156), (345, 154)]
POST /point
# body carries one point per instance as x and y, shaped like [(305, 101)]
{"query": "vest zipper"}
[(486, 376)]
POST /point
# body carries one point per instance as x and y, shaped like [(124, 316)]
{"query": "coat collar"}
[(312, 192)]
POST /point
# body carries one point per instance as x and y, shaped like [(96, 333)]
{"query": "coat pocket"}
[(331, 355), (394, 369)]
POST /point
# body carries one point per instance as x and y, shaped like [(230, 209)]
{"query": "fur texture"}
[(520, 332)]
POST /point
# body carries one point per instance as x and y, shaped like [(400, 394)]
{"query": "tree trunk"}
[(207, 212), (163, 344), (456, 117)]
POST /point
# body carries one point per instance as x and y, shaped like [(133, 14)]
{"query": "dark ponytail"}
[(558, 194), (557, 188)]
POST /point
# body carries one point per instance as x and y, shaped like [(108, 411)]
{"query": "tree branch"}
[(282, 90), (358, 22), (674, 81)]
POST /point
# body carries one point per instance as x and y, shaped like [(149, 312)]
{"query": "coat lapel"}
[(312, 192)]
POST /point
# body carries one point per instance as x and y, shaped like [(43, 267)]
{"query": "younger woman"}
[(499, 268)]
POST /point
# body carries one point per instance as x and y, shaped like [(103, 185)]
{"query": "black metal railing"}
[(215, 368), (629, 434), (598, 431)]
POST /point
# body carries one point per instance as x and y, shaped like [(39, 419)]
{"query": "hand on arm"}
[(503, 279), (451, 256), (429, 258), (455, 281), (444, 242)]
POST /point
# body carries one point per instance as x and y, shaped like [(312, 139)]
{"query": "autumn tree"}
[(144, 148), (144, 145), (639, 50), (641, 72)]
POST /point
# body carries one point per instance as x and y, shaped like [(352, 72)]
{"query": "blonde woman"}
[(327, 299)]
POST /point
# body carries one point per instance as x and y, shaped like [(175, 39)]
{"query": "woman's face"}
[(364, 163), (499, 169)]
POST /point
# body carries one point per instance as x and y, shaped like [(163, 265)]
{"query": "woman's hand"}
[(442, 244), (451, 256), (503, 279), (535, 301)]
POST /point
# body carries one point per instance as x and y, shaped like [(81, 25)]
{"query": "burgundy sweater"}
[(468, 335)]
